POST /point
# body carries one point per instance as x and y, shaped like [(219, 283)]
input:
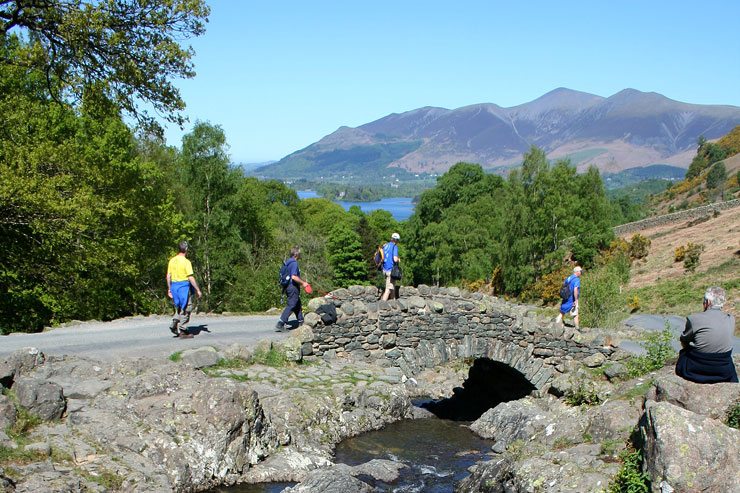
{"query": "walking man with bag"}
[(293, 290), (570, 305), (180, 280), (390, 259)]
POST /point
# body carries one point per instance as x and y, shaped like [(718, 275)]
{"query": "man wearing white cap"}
[(570, 305), (390, 257)]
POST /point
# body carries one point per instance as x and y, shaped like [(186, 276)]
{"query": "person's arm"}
[(194, 283), (169, 285), (396, 259), (297, 279), (687, 335), (576, 293)]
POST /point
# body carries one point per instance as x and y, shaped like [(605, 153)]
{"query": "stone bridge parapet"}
[(429, 326)]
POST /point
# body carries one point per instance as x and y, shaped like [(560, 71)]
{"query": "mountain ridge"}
[(628, 129)]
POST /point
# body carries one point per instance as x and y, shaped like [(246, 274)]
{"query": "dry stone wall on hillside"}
[(429, 326), (674, 217)]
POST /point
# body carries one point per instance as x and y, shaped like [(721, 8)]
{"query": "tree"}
[(345, 256), (127, 49), (716, 176), (211, 188), (84, 218)]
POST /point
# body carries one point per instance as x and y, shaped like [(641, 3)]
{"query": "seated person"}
[(706, 356)]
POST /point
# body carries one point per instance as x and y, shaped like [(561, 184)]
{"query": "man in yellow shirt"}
[(179, 280)]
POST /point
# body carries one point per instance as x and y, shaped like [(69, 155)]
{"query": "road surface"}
[(653, 323), (144, 336)]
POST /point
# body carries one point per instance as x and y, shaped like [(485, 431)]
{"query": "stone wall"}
[(674, 217), (429, 326)]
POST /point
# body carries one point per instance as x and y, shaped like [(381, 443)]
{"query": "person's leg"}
[(293, 300), (389, 288), (185, 313), (175, 321), (299, 309), (179, 300)]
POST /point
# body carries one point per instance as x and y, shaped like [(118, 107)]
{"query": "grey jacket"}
[(709, 331)]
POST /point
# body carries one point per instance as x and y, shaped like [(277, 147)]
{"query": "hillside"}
[(626, 130), (662, 285), (695, 191)]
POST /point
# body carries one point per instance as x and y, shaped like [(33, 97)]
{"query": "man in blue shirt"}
[(570, 305), (390, 257), (293, 291)]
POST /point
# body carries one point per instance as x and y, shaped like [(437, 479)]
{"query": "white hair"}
[(715, 296)]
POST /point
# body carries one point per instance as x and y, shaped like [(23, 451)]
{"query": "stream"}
[(437, 452)]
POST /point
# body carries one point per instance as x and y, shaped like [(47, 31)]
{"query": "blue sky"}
[(278, 76)]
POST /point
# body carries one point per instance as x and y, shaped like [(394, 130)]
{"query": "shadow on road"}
[(197, 329)]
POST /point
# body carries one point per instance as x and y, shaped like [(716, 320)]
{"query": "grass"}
[(733, 416), (683, 296), (25, 421), (630, 478), (104, 477), (638, 390), (273, 357), (176, 356)]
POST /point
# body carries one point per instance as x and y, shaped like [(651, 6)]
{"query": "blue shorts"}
[(180, 293)]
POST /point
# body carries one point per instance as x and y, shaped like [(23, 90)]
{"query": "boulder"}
[(39, 397), (596, 359), (332, 480), (20, 362), (237, 351), (511, 421), (201, 357), (293, 349), (613, 420), (7, 412), (710, 400), (689, 452), (311, 319)]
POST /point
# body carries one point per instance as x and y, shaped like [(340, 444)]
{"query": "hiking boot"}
[(173, 326), (280, 326)]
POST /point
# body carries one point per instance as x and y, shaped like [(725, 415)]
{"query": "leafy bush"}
[(691, 256), (630, 478), (659, 351), (582, 394), (633, 303), (601, 299), (717, 175), (639, 246), (547, 288), (679, 253)]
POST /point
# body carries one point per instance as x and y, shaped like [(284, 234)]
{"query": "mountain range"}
[(629, 129)]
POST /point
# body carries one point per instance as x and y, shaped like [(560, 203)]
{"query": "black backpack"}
[(284, 276), (565, 290), (379, 257)]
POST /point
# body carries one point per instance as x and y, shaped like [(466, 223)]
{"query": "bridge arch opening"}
[(489, 383)]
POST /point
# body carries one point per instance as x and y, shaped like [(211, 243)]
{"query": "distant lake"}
[(400, 208)]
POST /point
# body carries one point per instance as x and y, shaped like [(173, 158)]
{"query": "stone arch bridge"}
[(429, 326)]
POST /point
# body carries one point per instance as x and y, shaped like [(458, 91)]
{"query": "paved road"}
[(657, 323), (144, 336)]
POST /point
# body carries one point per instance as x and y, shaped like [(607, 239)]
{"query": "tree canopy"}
[(126, 50)]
